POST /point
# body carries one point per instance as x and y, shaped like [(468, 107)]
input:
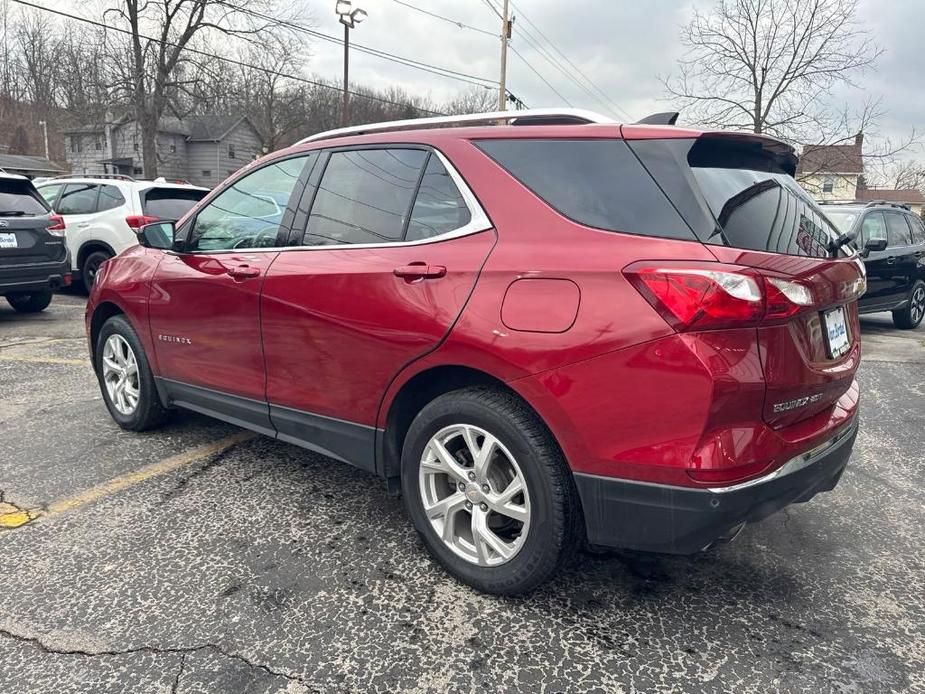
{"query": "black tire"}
[(555, 522), (30, 302), (910, 317), (91, 266), (149, 413)]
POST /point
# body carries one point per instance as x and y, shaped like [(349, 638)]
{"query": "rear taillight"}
[(136, 221), (713, 295), (57, 226)]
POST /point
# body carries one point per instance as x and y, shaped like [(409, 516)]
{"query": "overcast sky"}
[(623, 45)]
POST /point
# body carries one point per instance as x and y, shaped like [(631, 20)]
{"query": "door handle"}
[(243, 272), (420, 271), (891, 260)]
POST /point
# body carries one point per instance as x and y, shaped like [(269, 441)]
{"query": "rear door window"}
[(918, 230), (439, 207), (50, 192), (110, 198), (364, 197), (78, 198), (17, 199), (599, 183), (898, 232), (170, 203)]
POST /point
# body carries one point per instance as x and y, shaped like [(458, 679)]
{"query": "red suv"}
[(542, 333)]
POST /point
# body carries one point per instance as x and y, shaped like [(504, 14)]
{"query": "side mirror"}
[(157, 235), (873, 245)]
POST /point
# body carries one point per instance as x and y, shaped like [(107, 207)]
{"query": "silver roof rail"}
[(535, 116)]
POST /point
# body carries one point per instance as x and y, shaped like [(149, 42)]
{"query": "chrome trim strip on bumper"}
[(794, 464)]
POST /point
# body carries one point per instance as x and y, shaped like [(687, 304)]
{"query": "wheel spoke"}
[(481, 456), (445, 462), (485, 540), (446, 506), (502, 503)]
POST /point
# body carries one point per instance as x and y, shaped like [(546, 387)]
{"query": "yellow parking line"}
[(122, 482), (44, 360)]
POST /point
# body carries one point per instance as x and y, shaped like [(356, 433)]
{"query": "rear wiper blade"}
[(12, 213)]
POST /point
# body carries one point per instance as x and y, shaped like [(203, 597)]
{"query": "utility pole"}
[(345, 109), (505, 37), (45, 133)]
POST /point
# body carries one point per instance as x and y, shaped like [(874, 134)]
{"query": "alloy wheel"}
[(917, 305), (120, 374), (474, 495)]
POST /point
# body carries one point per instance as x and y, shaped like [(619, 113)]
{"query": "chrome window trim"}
[(478, 223)]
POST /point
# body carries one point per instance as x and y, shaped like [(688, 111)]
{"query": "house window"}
[(97, 144), (173, 147), (828, 184), (230, 151), (137, 171), (135, 145), (206, 173), (75, 143)]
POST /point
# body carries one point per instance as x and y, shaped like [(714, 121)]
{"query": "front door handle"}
[(420, 271), (243, 272), (891, 260)]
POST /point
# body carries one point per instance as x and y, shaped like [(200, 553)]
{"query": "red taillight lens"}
[(136, 221), (57, 225), (713, 295)]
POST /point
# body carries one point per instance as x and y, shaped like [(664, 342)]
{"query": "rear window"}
[(598, 183), (17, 199), (734, 193), (170, 203)]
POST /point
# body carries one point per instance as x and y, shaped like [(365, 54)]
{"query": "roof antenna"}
[(666, 118)]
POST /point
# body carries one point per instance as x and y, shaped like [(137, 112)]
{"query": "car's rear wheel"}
[(91, 266), (489, 491), (30, 302), (125, 377), (911, 316)]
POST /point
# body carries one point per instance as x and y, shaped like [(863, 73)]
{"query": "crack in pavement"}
[(13, 516), (183, 651)]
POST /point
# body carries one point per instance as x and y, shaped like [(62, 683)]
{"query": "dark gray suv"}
[(892, 243)]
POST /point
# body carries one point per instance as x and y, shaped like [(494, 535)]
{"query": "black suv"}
[(892, 243), (33, 255)]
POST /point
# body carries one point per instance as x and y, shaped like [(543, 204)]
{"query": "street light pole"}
[(349, 17), (45, 133), (505, 36)]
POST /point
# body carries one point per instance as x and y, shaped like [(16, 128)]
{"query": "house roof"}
[(907, 195), (19, 162), (842, 159), (211, 127)]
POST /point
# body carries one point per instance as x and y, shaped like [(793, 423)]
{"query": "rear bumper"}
[(679, 520), (34, 277)]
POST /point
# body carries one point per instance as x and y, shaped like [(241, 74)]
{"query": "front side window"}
[(873, 228), (364, 197), (248, 213), (898, 233), (78, 198), (439, 207)]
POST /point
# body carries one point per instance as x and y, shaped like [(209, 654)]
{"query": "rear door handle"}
[(420, 271), (891, 260), (243, 272)]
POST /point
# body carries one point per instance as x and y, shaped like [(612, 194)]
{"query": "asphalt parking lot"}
[(198, 559)]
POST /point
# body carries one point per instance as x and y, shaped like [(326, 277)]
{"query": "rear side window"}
[(78, 198), (898, 232), (918, 230), (170, 203), (439, 206), (364, 197), (598, 183), (17, 199), (110, 198)]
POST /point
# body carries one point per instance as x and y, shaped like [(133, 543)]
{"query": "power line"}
[(233, 61), (538, 74), (408, 62), (461, 25)]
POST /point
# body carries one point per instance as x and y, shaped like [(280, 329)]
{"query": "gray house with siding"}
[(203, 150)]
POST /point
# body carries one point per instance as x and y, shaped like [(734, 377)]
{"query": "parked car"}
[(103, 213), (33, 255), (892, 242), (543, 333)]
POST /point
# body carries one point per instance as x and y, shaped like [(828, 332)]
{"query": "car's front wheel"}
[(30, 302), (911, 316), (489, 491), (125, 377)]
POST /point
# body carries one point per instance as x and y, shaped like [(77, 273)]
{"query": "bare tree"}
[(475, 100), (166, 40), (763, 65)]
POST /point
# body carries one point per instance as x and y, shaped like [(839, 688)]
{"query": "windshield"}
[(842, 219), (18, 200)]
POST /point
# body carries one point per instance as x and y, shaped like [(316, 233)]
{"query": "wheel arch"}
[(91, 246), (102, 313)]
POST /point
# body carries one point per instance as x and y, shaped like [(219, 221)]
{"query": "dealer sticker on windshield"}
[(836, 329)]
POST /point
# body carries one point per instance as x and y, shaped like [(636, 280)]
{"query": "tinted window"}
[(918, 229), (364, 197), (110, 198), (78, 198), (898, 232), (599, 183), (17, 199), (248, 213), (873, 227), (439, 206), (170, 203), (50, 192)]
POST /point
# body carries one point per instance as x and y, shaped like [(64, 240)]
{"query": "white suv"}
[(102, 213)]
